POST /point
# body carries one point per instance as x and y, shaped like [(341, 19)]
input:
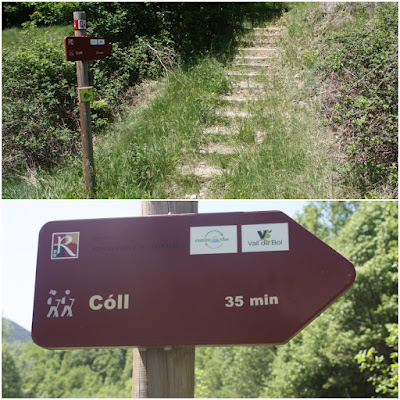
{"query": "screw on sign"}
[(208, 279)]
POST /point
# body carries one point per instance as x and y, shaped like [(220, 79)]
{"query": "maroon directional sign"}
[(189, 279), (85, 48)]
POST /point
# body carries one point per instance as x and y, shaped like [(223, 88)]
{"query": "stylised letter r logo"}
[(64, 246)]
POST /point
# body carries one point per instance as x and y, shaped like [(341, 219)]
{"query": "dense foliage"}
[(348, 351), (39, 116), (11, 379), (324, 360), (39, 100), (359, 60)]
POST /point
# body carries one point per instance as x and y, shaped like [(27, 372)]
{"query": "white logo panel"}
[(213, 239), (265, 237)]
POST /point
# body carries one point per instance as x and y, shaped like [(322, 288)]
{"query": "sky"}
[(21, 221)]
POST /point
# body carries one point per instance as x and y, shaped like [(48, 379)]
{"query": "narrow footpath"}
[(250, 67)]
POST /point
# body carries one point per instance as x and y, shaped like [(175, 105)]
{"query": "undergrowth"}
[(358, 61), (346, 54), (137, 158)]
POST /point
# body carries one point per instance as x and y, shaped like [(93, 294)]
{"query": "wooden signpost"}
[(164, 372), (82, 48)]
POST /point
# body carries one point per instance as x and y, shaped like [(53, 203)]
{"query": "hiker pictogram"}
[(65, 301)]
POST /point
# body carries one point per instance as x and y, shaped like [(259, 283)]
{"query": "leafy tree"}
[(75, 373), (320, 361), (237, 371), (15, 13), (11, 379), (384, 376), (324, 359), (325, 219)]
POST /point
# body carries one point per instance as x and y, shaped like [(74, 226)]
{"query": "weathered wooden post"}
[(82, 72), (168, 371)]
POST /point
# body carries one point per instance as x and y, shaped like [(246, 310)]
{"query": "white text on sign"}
[(238, 301), (97, 302)]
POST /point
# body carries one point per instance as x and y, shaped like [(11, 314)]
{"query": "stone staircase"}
[(250, 65)]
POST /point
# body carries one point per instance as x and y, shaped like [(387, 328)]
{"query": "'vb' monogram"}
[(265, 234)]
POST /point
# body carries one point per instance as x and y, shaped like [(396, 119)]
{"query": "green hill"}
[(14, 332)]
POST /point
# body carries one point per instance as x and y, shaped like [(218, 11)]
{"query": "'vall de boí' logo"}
[(265, 239)]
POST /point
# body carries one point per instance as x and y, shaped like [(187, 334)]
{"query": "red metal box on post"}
[(85, 48), (189, 279)]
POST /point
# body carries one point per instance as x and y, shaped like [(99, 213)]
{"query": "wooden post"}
[(164, 372), (82, 73)]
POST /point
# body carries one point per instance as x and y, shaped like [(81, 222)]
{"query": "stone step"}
[(248, 85), (219, 130), (255, 58), (265, 42), (234, 114), (249, 74), (217, 148), (202, 170), (251, 65), (250, 95), (239, 98), (270, 28), (258, 49), (267, 34)]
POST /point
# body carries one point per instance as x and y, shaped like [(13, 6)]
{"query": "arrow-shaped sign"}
[(85, 48), (192, 279)]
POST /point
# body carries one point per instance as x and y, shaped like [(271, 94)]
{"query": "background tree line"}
[(350, 350)]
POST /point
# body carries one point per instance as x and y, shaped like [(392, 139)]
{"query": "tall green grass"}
[(16, 37), (140, 156)]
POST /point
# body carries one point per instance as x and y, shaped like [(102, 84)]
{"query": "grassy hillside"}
[(307, 138), (15, 333), (13, 38)]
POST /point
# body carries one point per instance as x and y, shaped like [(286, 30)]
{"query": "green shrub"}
[(115, 77), (361, 61), (39, 118)]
